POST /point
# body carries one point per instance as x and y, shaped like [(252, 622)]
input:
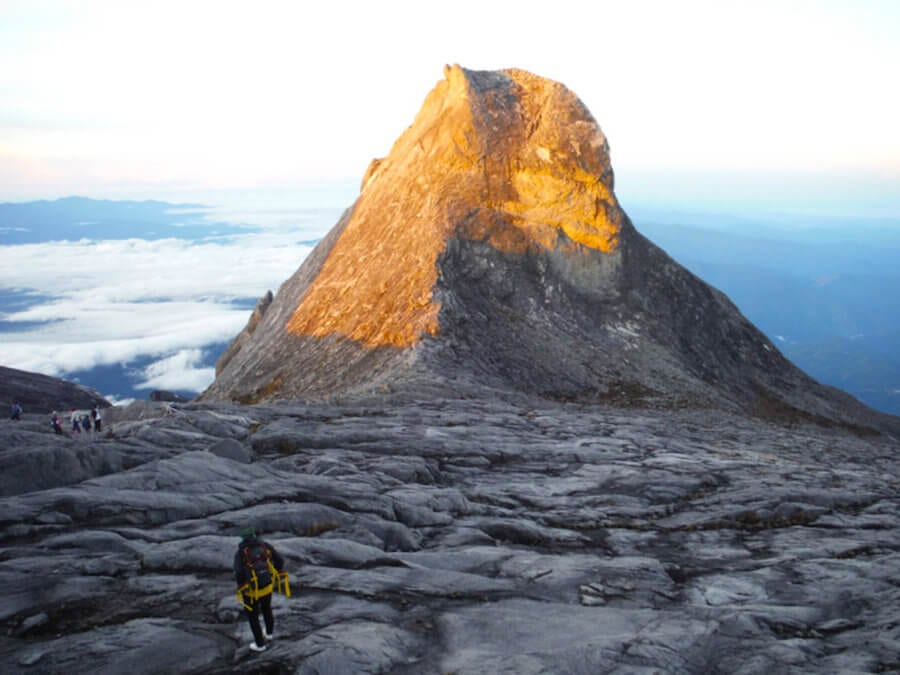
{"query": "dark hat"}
[(248, 533)]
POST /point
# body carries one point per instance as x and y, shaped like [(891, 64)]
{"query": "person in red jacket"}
[(56, 423), (256, 565)]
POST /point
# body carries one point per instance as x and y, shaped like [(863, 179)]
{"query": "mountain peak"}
[(488, 249), (506, 157)]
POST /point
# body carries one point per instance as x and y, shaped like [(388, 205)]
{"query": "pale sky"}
[(790, 100)]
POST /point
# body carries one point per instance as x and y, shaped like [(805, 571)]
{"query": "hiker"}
[(16, 411), (56, 423), (95, 415), (76, 425), (258, 567)]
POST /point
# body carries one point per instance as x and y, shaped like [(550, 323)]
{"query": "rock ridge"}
[(38, 393)]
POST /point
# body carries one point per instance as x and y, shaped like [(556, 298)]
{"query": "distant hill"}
[(38, 393), (868, 366), (73, 218)]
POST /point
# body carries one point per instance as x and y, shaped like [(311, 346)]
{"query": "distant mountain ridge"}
[(42, 394), (488, 249), (73, 218)]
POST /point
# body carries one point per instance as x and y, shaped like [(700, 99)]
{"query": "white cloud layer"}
[(136, 270), (179, 371), (111, 302)]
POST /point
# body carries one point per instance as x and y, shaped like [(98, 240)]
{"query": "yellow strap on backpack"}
[(247, 591), (252, 590), (240, 596), (282, 583)]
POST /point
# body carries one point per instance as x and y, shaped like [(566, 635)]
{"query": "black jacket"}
[(241, 573)]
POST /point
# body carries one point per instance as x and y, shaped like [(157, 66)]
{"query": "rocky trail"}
[(461, 535)]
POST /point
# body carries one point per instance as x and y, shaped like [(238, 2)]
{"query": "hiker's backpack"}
[(258, 561)]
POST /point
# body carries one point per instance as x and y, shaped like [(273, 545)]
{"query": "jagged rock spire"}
[(507, 157)]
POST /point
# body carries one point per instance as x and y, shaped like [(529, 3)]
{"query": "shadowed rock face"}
[(38, 393), (489, 248)]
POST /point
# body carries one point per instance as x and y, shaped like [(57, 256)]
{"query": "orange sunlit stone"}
[(507, 157)]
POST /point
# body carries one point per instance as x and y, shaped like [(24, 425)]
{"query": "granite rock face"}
[(426, 534), (255, 317), (488, 248), (163, 396), (42, 394)]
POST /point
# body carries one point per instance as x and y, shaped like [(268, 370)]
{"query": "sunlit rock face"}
[(489, 249), (507, 158)]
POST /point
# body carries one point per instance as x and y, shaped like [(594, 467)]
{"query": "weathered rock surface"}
[(466, 535), (488, 247), (42, 394), (161, 396), (255, 317)]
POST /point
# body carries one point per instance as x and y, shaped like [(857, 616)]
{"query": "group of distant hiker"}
[(86, 421), (80, 421)]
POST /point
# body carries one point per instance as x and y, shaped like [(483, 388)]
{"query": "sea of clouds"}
[(91, 303)]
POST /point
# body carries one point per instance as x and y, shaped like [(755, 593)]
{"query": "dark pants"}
[(265, 604)]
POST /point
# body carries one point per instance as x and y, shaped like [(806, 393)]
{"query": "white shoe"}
[(268, 636), (256, 648)]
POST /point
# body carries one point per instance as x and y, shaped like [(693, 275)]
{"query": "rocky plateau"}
[(490, 533)]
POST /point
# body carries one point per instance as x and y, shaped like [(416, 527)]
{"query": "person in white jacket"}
[(95, 416)]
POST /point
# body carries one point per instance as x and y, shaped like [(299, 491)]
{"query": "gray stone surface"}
[(40, 394), (230, 448), (463, 535)]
